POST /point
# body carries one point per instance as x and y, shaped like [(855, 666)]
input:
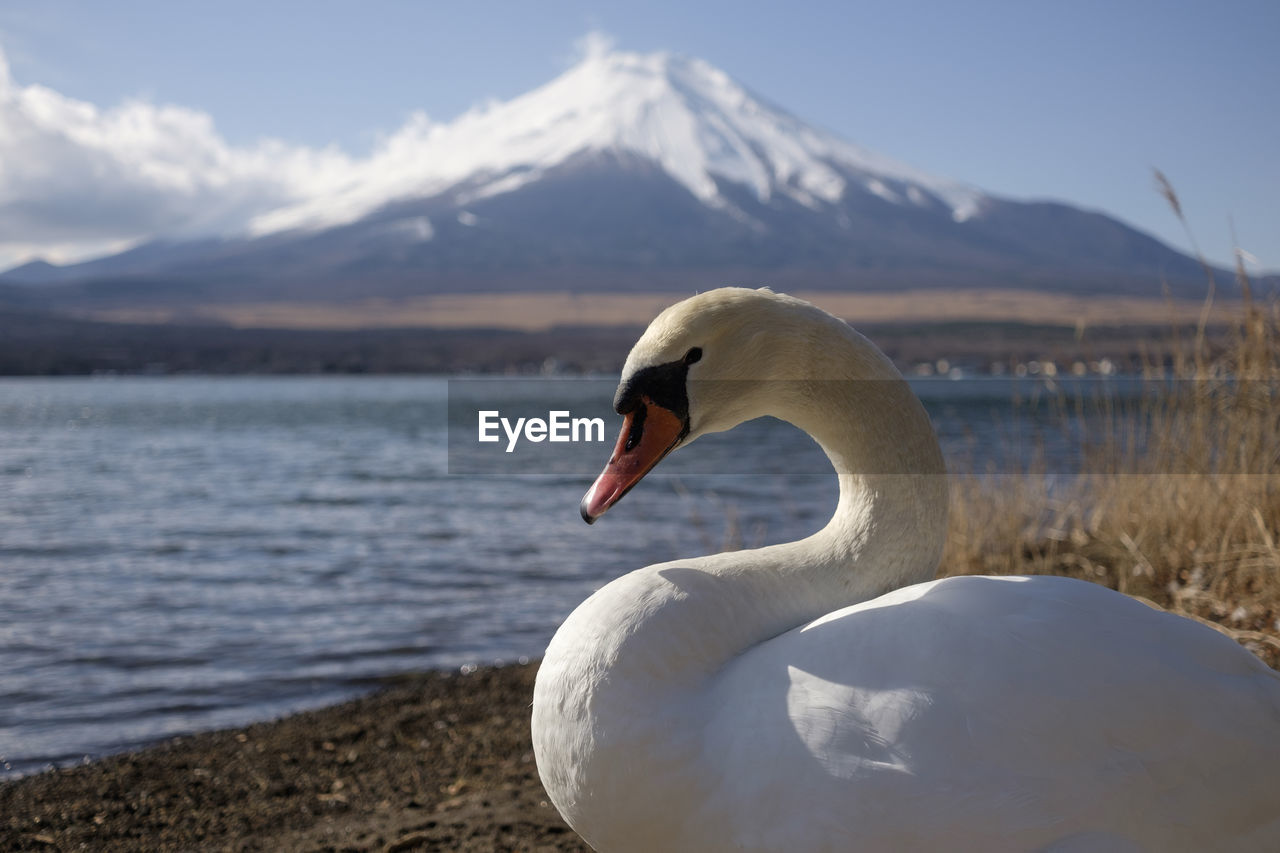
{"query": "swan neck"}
[(653, 642), (887, 530), (889, 524)]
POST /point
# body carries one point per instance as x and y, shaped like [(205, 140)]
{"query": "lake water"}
[(179, 554)]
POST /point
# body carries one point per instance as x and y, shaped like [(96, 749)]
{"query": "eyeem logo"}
[(559, 426)]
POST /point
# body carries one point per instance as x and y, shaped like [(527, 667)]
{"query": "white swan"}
[(806, 697)]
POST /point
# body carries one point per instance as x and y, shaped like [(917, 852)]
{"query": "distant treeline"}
[(37, 344), (43, 345)]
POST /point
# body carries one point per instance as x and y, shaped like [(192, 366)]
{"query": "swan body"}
[(826, 694)]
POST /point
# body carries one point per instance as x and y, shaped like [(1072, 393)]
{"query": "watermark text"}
[(559, 426)]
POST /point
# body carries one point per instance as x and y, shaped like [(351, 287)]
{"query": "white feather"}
[(825, 695)]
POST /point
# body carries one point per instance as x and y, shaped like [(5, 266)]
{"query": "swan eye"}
[(693, 356)]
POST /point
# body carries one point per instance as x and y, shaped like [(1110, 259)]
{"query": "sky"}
[(211, 112)]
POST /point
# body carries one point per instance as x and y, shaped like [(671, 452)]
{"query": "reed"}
[(1177, 500)]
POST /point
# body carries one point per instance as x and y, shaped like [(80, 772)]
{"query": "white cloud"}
[(14, 254), (75, 179), (593, 45)]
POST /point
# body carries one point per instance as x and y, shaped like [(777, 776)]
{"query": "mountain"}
[(35, 272), (629, 171)]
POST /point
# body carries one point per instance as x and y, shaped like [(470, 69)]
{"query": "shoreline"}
[(432, 761)]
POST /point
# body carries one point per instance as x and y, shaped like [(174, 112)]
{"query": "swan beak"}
[(649, 433)]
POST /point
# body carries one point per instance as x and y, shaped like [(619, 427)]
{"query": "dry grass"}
[(1178, 499), (545, 310)]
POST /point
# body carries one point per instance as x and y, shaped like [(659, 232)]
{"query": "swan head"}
[(709, 363)]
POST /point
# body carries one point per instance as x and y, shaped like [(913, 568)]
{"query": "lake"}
[(187, 553)]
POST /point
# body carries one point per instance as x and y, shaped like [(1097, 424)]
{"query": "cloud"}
[(72, 174), (593, 45), (77, 179)]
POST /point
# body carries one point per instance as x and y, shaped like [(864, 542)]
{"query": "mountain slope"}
[(627, 171), (686, 116)]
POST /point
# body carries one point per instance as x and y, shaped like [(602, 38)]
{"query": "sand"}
[(439, 761)]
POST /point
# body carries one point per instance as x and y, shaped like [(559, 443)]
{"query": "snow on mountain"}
[(690, 118), (628, 171)]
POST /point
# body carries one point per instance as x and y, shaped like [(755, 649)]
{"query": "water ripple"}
[(187, 553)]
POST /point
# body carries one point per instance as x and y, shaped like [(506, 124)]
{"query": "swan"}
[(828, 694)]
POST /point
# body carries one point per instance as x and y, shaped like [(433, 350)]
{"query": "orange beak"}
[(649, 432)]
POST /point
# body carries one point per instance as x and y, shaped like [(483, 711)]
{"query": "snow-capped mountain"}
[(690, 119), (628, 171)]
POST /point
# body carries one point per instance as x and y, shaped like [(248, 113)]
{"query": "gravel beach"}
[(438, 761), (435, 761)]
